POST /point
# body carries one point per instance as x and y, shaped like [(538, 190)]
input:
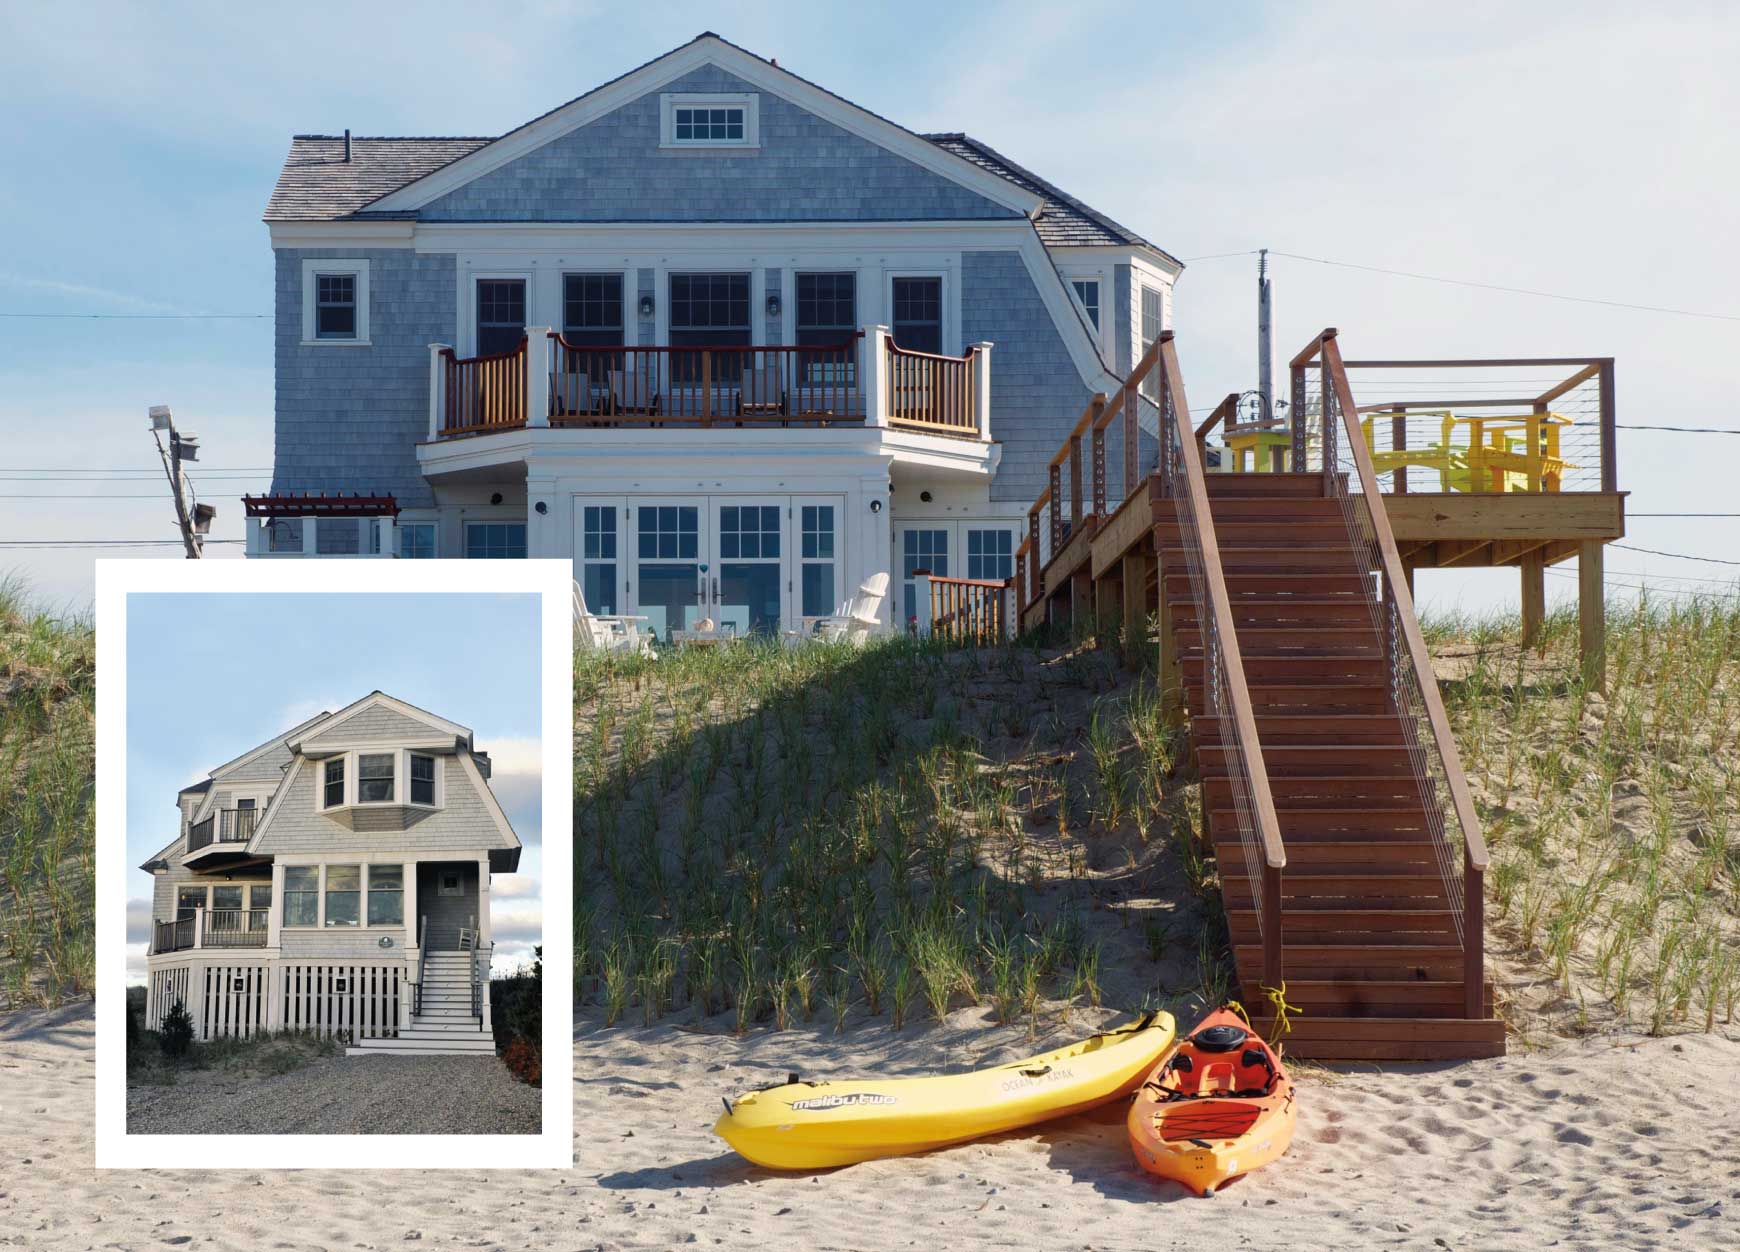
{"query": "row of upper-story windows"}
[(710, 309), (361, 778), (361, 536)]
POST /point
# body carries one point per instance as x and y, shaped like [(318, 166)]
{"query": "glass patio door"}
[(748, 542), (670, 560)]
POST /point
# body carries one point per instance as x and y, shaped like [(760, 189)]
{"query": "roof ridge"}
[(406, 138)]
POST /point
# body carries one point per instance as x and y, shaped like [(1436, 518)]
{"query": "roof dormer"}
[(380, 787)]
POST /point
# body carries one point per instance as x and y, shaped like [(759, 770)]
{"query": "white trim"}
[(341, 234), (708, 49), (466, 326), (949, 300), (671, 101), (284, 739), (312, 268)]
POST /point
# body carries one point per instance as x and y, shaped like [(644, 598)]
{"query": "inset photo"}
[(334, 811)]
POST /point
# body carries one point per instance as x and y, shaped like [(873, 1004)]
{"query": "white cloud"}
[(138, 921)]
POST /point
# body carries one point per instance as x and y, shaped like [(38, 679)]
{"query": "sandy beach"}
[(1611, 1142)]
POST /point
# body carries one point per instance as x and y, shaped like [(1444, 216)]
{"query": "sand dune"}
[(1598, 1143)]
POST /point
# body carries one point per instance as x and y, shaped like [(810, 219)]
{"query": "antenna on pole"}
[(1265, 327), (192, 518)]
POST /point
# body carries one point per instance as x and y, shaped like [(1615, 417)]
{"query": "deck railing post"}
[(924, 605), (437, 387), (981, 382), (199, 928), (876, 376), (538, 370), (1609, 433), (1473, 939)]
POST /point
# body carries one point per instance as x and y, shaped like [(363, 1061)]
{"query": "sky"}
[(210, 677), (1494, 143)]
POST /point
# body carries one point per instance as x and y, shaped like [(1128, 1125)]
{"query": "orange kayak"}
[(1218, 1105)]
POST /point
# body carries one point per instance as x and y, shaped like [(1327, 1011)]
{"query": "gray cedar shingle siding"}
[(349, 418), (463, 824), (806, 169), (267, 767), (1036, 391), (376, 725)]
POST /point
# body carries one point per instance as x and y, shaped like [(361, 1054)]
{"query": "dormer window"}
[(374, 778), (422, 779), (710, 121), (334, 793)]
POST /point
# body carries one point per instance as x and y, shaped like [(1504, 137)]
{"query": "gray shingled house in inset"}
[(336, 879), (726, 341)]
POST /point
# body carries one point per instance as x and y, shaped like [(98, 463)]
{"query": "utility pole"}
[(193, 519), (1265, 355)]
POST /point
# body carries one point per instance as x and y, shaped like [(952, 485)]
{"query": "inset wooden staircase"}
[(1350, 860)]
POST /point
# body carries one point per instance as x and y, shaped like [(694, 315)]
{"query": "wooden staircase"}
[(1370, 952)]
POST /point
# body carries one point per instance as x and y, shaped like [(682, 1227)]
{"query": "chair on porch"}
[(571, 394), (634, 393), (763, 391), (857, 617), (609, 633)]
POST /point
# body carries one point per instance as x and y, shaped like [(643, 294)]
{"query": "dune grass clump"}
[(905, 829), (47, 836), (1611, 820)]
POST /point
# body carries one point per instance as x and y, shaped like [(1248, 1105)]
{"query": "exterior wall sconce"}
[(773, 304), (495, 498), (876, 506), (646, 306), (541, 507)]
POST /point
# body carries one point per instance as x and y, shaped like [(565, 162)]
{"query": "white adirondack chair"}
[(856, 619), (618, 633)]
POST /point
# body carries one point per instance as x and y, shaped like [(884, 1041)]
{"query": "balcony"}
[(226, 826), (211, 928), (865, 382)]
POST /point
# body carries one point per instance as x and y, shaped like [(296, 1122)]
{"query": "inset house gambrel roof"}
[(1063, 221)]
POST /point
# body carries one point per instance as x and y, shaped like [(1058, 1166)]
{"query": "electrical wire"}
[(146, 317), (1678, 556), (1680, 430), (1517, 291), (102, 543)]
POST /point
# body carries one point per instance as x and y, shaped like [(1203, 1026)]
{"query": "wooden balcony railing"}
[(212, 928), (223, 826), (865, 380), (964, 610)]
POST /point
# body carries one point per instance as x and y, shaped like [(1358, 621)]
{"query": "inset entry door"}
[(747, 589)]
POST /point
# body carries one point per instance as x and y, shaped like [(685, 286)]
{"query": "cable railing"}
[(1350, 477), (1226, 696)]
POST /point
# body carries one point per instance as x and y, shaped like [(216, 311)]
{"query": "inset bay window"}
[(378, 777)]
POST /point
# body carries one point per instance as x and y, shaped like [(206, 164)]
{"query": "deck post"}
[(195, 1003), (1137, 564), (199, 928), (1108, 597), (981, 352), (1534, 598), (876, 376), (924, 607), (538, 367), (409, 911), (1592, 614), (485, 940), (437, 387)]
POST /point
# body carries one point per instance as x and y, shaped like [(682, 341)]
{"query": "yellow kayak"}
[(815, 1125)]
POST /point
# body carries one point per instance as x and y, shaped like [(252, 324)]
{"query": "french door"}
[(951, 549)]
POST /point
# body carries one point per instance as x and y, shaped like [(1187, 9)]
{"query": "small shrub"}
[(176, 1035)]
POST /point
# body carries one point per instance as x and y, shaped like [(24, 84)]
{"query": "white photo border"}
[(553, 1146)]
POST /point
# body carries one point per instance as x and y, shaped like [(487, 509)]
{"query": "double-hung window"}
[(335, 306), (332, 782), (917, 323), (708, 311), (374, 778), (501, 315), (335, 302), (1152, 318), (343, 895), (1087, 290), (189, 900), (301, 895), (422, 779), (416, 540), (386, 895)]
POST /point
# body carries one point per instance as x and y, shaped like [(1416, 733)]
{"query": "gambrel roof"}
[(381, 180)]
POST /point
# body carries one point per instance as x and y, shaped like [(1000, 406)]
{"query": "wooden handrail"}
[(1225, 409), (1335, 374), (848, 342), (1220, 606)]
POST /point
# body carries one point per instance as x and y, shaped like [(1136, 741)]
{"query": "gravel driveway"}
[(345, 1095)]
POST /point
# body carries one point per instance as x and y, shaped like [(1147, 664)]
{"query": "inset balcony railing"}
[(211, 928), (865, 380), (223, 826)]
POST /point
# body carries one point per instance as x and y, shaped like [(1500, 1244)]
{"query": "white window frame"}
[(748, 101), (434, 525), (366, 863), (467, 326), (401, 780), (357, 267), (949, 311), (622, 560), (798, 560), (468, 523)]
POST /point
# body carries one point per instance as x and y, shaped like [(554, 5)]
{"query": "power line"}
[(1215, 256), (207, 471), (76, 495), (1629, 515), (1682, 430), (146, 317), (102, 543), (1516, 291), (1678, 556)]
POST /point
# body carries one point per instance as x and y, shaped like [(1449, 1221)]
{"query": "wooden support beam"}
[(1515, 551), (1453, 551), (1108, 600), (1534, 599), (1592, 614), (1137, 564)]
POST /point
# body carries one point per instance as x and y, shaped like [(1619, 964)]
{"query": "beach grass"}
[(47, 843), (769, 835)]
